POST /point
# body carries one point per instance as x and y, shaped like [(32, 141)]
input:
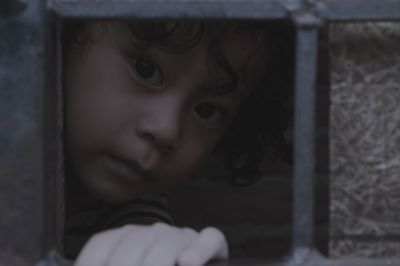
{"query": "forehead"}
[(240, 45)]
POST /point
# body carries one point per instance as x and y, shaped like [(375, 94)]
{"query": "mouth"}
[(128, 169)]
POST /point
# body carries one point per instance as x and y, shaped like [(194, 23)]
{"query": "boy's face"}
[(142, 121)]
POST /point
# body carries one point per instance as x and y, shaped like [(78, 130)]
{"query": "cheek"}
[(195, 153), (95, 111)]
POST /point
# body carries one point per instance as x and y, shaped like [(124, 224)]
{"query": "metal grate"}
[(28, 136)]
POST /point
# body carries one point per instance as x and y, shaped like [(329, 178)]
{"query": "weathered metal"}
[(361, 10), (169, 9), (27, 128), (304, 127), (54, 259), (10, 8), (329, 10)]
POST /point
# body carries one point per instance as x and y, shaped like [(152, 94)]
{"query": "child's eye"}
[(147, 71), (211, 114)]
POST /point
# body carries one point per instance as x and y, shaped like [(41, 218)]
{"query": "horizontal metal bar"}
[(329, 10), (358, 262), (140, 9), (361, 10), (316, 262), (56, 260)]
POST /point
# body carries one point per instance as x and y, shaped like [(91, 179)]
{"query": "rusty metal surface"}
[(22, 150)]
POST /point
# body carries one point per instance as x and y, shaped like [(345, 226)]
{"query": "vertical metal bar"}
[(23, 206), (53, 132), (304, 126)]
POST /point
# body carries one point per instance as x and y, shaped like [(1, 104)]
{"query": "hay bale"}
[(365, 139)]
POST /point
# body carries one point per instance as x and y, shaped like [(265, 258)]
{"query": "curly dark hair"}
[(260, 125)]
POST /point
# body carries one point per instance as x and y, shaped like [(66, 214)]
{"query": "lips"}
[(128, 169)]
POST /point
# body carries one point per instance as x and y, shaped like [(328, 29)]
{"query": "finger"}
[(98, 248), (210, 244), (130, 249), (166, 248)]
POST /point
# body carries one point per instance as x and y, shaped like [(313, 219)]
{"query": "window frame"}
[(46, 17)]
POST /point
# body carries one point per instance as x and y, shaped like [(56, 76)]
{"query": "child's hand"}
[(155, 245)]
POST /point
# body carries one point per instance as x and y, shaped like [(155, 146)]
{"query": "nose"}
[(162, 125)]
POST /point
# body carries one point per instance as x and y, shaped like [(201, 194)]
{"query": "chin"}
[(110, 192)]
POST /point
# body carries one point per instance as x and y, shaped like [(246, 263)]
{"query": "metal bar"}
[(361, 10), (322, 262), (329, 10), (53, 132), (303, 190), (150, 9), (55, 259), (23, 204)]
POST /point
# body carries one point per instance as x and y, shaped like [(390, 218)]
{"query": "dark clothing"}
[(86, 216)]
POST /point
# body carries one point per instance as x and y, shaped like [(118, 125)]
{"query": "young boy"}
[(146, 104)]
